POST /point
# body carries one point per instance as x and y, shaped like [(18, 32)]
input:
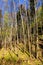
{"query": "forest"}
[(21, 33)]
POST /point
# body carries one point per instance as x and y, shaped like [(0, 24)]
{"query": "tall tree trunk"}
[(32, 8), (0, 29), (32, 13), (32, 17)]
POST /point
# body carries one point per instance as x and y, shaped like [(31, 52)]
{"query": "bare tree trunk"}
[(0, 29), (32, 13)]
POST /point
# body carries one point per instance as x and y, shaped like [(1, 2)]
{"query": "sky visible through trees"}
[(3, 3)]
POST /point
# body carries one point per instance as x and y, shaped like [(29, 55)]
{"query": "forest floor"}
[(16, 57)]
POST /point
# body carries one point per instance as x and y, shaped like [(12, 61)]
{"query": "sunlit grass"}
[(7, 54), (22, 58)]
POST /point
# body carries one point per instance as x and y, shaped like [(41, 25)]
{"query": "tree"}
[(6, 31), (33, 18), (32, 8), (0, 28)]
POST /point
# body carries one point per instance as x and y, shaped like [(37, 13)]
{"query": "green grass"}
[(7, 55), (37, 62), (10, 58)]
